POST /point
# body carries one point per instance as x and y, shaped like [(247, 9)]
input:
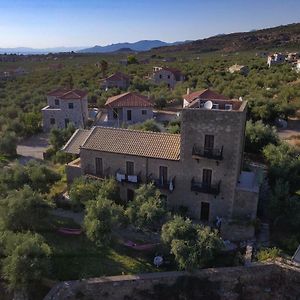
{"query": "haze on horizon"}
[(79, 23)]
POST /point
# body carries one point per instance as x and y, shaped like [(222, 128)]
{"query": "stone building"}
[(128, 108), (275, 59), (199, 170), (170, 76), (65, 106), (117, 80)]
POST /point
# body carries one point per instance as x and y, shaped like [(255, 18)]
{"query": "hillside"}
[(144, 45), (276, 37)]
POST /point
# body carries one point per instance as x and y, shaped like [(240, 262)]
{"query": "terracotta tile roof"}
[(134, 142), (118, 76), (64, 93), (128, 99), (76, 141), (57, 92), (206, 94)]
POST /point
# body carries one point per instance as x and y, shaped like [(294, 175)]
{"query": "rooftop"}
[(117, 77), (133, 142), (128, 99), (64, 93), (76, 141), (205, 94)]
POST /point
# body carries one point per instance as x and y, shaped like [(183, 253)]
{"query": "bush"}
[(23, 210), (26, 262), (8, 145), (193, 246), (149, 125), (258, 136), (147, 210), (268, 254), (100, 218)]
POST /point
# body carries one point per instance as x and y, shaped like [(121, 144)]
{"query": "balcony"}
[(164, 185), (203, 187), (215, 153), (123, 177), (104, 175)]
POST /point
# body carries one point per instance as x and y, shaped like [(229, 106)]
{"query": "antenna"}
[(208, 105)]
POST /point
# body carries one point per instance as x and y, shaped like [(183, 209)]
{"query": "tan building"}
[(170, 76), (199, 170), (128, 108), (65, 106), (243, 70), (116, 80)]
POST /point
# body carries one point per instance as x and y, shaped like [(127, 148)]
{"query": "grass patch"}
[(75, 257)]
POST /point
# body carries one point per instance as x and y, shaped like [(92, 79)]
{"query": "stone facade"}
[(166, 75), (259, 281), (208, 186), (137, 115), (59, 112)]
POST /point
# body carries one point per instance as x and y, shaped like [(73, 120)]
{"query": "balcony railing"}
[(162, 184), (207, 188), (207, 153), (105, 174), (123, 177)]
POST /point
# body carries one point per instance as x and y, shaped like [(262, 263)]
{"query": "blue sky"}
[(52, 23)]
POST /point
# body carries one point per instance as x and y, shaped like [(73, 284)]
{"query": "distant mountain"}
[(26, 51), (286, 36), (144, 45)]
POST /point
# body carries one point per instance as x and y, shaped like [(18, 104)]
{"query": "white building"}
[(65, 106), (275, 59)]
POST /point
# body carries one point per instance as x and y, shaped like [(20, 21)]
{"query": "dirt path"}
[(33, 147)]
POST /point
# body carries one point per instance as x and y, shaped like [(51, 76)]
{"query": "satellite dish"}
[(240, 98), (208, 105)]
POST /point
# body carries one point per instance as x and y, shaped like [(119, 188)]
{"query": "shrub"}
[(268, 254)]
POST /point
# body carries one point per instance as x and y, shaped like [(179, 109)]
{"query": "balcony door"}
[(129, 168), (209, 142), (206, 177), (99, 166), (129, 115), (163, 175)]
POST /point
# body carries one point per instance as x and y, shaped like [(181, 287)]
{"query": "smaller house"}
[(243, 70), (298, 66), (117, 80), (128, 108), (170, 76), (202, 96), (275, 59), (292, 57), (65, 106)]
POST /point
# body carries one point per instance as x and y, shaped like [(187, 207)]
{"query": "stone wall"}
[(263, 282)]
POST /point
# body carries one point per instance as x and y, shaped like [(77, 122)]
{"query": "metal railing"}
[(162, 184), (215, 153), (204, 187)]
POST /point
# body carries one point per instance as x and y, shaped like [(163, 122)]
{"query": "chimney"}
[(188, 91)]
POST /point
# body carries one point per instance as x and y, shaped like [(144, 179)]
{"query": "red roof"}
[(206, 94), (177, 73), (118, 76), (64, 93), (128, 99)]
